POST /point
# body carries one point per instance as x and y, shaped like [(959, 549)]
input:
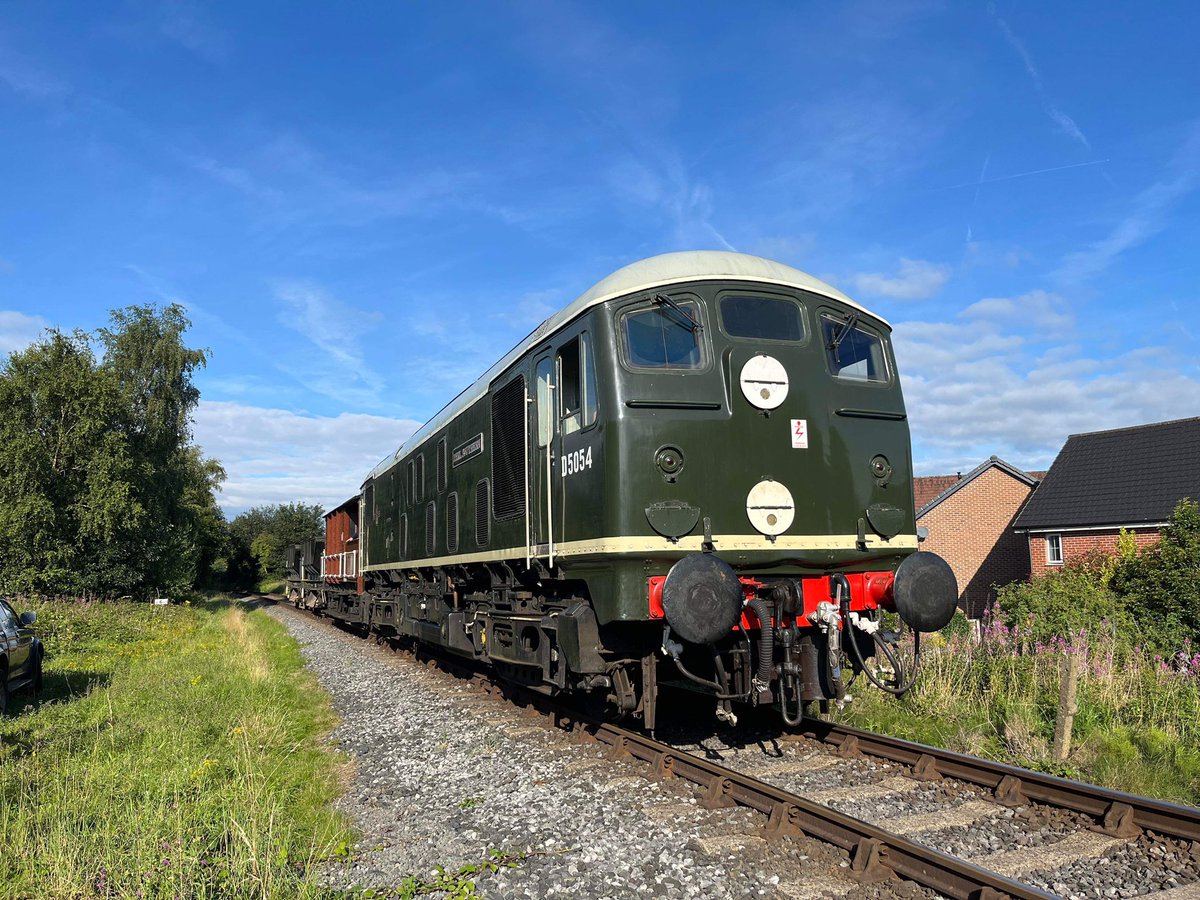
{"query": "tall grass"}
[(1138, 722), (177, 753)]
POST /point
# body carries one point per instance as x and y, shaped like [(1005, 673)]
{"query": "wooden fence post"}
[(1065, 720)]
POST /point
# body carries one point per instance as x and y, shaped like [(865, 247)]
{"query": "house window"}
[(1054, 550)]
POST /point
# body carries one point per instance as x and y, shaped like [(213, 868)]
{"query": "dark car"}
[(20, 654)]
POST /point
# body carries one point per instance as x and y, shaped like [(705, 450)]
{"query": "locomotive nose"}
[(702, 598), (925, 592)]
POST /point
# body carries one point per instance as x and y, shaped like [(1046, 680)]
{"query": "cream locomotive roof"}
[(644, 275)]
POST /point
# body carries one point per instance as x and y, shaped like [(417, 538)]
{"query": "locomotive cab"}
[(763, 428)]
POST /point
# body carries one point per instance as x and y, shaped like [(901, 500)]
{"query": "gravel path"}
[(442, 775)]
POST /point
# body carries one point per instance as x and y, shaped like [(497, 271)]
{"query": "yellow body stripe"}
[(646, 545)]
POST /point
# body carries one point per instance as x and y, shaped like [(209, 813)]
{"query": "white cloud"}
[(825, 155), (18, 331), (916, 280), (1043, 310), (1003, 380), (26, 78), (188, 25), (292, 183), (339, 367), (657, 179), (279, 456)]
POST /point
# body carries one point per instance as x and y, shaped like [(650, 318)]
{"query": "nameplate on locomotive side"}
[(463, 452)]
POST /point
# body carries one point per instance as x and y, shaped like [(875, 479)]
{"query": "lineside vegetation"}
[(1133, 624), (102, 491), (178, 752)]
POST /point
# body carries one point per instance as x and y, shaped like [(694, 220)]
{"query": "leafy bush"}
[(1133, 623), (1061, 605), (1162, 581)]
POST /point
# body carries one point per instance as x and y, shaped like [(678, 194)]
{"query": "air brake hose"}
[(674, 650), (720, 695), (901, 688), (766, 641)]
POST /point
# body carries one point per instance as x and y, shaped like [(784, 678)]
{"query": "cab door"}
[(542, 460)]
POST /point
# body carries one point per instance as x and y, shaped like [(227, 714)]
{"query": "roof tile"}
[(1125, 476)]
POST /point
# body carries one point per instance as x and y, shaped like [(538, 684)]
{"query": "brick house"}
[(970, 519), (1105, 481)]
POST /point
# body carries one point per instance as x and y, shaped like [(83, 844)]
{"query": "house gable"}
[(970, 526)]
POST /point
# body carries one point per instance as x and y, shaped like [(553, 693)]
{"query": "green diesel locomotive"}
[(699, 470)]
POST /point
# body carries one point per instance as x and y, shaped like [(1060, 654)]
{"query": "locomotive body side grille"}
[(482, 492), (430, 528), (508, 450), (452, 523)]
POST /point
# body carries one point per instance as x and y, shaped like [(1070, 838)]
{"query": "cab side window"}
[(545, 410), (854, 353), (577, 380)]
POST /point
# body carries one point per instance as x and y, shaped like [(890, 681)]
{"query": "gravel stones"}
[(442, 775), (1006, 830), (1149, 864)]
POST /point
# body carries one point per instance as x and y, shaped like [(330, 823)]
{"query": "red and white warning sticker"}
[(799, 434)]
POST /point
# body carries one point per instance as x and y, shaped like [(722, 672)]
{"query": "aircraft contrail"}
[(1094, 162)]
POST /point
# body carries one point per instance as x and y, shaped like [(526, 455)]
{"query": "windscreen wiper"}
[(664, 300), (844, 329)]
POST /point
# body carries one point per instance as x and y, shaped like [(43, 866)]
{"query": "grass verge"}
[(1137, 728), (271, 585), (176, 753)]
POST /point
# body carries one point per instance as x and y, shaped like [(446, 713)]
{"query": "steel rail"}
[(876, 854), (1115, 812)]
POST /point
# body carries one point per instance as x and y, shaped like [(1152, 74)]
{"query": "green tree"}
[(1061, 604), (1162, 581), (145, 355), (261, 534), (66, 477), (101, 489)]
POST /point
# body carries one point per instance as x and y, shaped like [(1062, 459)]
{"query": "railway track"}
[(1050, 834), (1094, 821)]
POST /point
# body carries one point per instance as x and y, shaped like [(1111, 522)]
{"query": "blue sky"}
[(364, 205)]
